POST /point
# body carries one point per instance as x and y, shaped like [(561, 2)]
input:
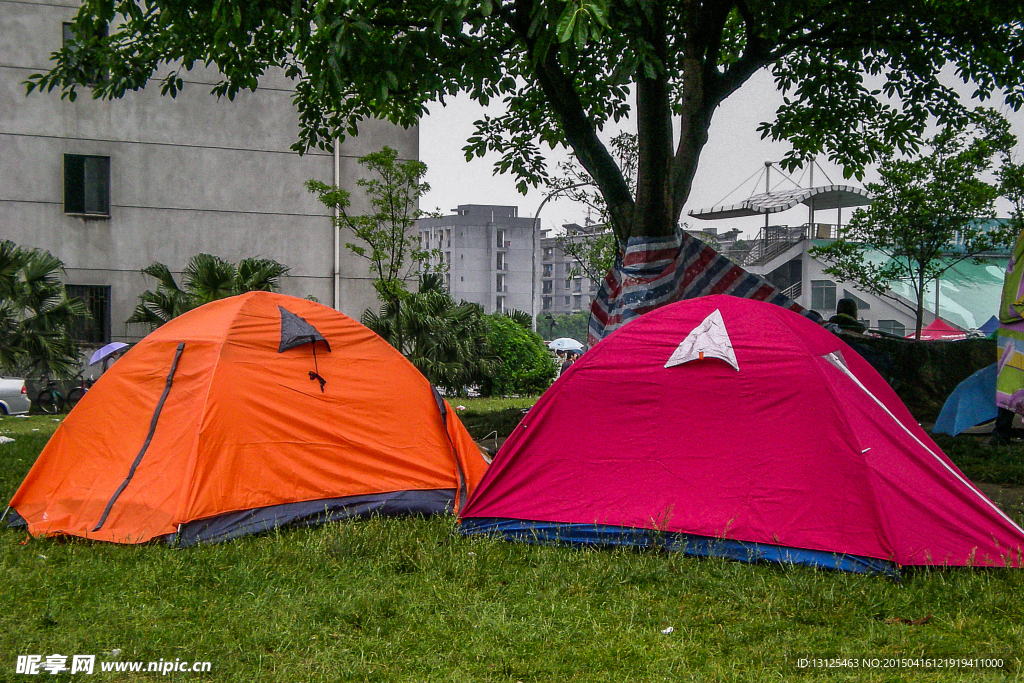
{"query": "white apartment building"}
[(488, 250), (564, 284)]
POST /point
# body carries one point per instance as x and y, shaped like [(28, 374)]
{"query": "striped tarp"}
[(655, 271)]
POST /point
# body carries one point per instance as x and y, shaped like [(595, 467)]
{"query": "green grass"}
[(483, 405), (984, 463), (30, 434), (485, 416), (412, 600)]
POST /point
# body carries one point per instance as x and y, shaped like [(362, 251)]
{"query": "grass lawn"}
[(412, 600)]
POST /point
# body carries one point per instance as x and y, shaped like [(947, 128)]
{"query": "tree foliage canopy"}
[(572, 325), (861, 77), (929, 212), (596, 246), (385, 234), (206, 278)]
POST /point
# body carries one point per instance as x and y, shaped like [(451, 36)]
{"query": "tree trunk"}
[(652, 213), (920, 305), (398, 325)]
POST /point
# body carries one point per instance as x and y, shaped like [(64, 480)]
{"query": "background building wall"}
[(188, 175)]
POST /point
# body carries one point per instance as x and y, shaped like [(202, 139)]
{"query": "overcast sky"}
[(733, 153)]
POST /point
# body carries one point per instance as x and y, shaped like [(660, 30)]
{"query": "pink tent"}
[(939, 330), (728, 426)]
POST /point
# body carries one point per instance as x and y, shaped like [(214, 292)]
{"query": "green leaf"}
[(566, 24)]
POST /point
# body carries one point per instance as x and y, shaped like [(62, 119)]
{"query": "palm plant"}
[(521, 318), (448, 342), (206, 278), (36, 316)]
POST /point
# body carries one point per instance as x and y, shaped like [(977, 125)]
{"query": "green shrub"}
[(526, 365)]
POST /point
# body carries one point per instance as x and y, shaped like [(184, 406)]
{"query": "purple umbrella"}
[(106, 351)]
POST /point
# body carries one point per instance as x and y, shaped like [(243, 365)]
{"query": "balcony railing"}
[(777, 239), (794, 290)]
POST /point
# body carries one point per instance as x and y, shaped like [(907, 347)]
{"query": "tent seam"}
[(187, 480)]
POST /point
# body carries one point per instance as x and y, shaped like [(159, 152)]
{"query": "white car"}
[(13, 397)]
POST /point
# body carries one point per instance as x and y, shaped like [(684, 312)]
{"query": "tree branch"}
[(702, 92), (579, 130)]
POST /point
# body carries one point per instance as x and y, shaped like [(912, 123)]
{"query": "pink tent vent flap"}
[(732, 427)]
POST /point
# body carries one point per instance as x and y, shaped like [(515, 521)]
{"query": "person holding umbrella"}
[(566, 349), (107, 354)]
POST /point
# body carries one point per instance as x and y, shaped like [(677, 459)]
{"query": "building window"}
[(547, 270), (823, 295), (577, 302), (568, 282), (547, 287), (499, 304), (861, 304), (893, 327), (501, 260), (549, 253), (568, 299), (448, 239), (96, 328), (547, 303), (499, 285), (500, 239), (86, 185), (577, 285)]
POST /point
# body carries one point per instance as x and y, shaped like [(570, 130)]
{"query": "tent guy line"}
[(842, 368)]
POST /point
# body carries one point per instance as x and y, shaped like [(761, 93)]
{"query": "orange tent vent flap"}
[(247, 414)]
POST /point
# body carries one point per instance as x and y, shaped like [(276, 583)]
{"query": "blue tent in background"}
[(971, 403), (990, 326)]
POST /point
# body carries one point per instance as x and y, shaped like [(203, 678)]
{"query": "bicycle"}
[(50, 400), (76, 394)]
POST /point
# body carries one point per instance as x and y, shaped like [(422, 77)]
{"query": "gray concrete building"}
[(564, 285), (110, 187), (489, 253)]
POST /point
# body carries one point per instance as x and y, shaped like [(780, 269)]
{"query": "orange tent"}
[(246, 414)]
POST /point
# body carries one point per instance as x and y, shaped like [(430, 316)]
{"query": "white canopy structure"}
[(817, 198)]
